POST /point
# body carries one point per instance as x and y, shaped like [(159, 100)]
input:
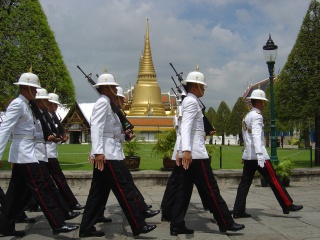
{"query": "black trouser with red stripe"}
[(199, 171), (137, 194), (170, 192), (26, 180), (113, 177), (97, 199), (61, 182), (2, 196), (53, 190), (249, 169)]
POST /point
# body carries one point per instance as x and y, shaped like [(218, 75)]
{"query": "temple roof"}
[(259, 85)]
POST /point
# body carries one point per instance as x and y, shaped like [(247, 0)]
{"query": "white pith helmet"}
[(106, 79), (120, 92), (29, 79), (258, 94), (195, 77), (42, 93), (53, 98)]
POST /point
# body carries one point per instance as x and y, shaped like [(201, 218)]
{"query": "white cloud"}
[(243, 15), (224, 38)]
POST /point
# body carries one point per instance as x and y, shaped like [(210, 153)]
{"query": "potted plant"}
[(210, 150), (131, 152), (263, 181), (164, 145), (284, 170)]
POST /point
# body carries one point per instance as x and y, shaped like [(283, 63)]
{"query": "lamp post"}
[(270, 54)]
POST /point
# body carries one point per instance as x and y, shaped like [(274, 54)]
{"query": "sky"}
[(223, 37)]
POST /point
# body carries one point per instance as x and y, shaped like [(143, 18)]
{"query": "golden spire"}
[(105, 69), (30, 70), (147, 90), (146, 70)]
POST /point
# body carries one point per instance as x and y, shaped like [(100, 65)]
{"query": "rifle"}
[(126, 125), (207, 125), (58, 122), (38, 115), (51, 123)]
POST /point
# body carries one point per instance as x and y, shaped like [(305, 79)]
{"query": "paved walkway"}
[(267, 223)]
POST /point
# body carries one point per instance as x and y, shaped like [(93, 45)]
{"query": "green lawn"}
[(74, 157)]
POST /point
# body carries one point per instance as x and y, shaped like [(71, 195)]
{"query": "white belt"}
[(111, 135), (23, 136), (198, 132)]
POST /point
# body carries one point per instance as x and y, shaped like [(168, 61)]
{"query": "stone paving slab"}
[(268, 221)]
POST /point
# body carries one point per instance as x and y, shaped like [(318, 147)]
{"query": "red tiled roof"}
[(151, 121)]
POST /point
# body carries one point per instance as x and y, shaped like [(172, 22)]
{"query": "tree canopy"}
[(297, 90), (211, 114), (234, 124), (220, 121), (26, 41)]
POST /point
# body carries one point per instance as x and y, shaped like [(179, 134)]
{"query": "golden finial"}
[(259, 86), (105, 69), (30, 70), (54, 91), (197, 68)]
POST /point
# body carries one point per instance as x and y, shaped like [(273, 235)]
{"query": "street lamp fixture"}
[(270, 53)]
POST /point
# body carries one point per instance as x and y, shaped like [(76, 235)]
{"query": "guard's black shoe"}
[(144, 229), (14, 233), (241, 215), (234, 227), (150, 213), (149, 206), (104, 220), (165, 219), (292, 208), (184, 230), (93, 233), (64, 229), (72, 215), (25, 219), (78, 207)]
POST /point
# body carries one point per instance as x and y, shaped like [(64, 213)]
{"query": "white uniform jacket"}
[(177, 145), (105, 131), (252, 131), (122, 135), (192, 128), (19, 122), (41, 153), (51, 148)]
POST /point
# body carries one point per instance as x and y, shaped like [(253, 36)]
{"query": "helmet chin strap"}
[(115, 94), (31, 94), (44, 103), (200, 91)]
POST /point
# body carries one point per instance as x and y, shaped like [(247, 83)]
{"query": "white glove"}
[(260, 160)]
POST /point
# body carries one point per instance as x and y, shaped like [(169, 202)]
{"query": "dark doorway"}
[(75, 137)]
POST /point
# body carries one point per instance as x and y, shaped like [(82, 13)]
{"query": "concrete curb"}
[(148, 178)]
